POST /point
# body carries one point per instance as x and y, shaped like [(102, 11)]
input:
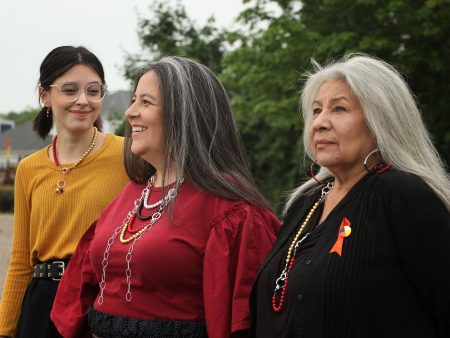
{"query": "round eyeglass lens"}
[(95, 92)]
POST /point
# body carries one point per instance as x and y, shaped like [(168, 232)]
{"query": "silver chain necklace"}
[(172, 193)]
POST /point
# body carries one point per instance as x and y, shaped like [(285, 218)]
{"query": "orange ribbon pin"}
[(344, 231)]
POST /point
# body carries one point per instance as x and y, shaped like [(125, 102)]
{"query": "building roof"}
[(22, 137), (115, 104)]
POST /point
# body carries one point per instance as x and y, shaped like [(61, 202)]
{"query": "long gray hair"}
[(391, 114), (201, 138)]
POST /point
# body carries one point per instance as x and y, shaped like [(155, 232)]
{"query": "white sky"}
[(29, 29)]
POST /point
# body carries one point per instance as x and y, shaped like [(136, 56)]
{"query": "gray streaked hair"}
[(391, 114), (201, 137)]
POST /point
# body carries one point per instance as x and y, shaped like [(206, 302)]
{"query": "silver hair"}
[(201, 137), (391, 115)]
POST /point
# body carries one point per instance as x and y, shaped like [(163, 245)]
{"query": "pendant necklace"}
[(136, 234), (61, 184), (282, 281)]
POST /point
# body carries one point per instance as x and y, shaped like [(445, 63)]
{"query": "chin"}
[(326, 162), (135, 149)]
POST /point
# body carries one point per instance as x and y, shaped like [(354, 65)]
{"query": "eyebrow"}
[(146, 95), (77, 83), (334, 100)]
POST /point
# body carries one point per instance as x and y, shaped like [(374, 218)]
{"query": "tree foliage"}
[(264, 73), (273, 48), (169, 31), (20, 117)]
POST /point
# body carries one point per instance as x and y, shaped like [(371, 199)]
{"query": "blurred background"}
[(259, 49)]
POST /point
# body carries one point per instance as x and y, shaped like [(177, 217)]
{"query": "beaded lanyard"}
[(282, 280)]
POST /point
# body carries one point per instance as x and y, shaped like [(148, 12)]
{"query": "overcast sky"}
[(29, 29)]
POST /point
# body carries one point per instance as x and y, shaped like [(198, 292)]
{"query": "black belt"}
[(50, 270), (109, 326)]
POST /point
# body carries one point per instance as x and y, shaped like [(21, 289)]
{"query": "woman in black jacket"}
[(364, 249)]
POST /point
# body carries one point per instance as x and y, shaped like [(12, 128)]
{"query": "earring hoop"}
[(313, 176), (378, 168)]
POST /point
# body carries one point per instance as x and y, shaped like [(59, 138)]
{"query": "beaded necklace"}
[(61, 184), (144, 202), (137, 233), (282, 280)]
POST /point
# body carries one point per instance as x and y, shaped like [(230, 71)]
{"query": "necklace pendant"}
[(64, 170), (60, 185)]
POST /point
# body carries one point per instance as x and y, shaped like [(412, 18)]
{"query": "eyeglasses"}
[(95, 92)]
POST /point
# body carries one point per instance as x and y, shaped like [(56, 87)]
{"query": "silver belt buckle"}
[(62, 266)]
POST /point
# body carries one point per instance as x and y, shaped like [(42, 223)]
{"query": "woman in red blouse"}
[(176, 253)]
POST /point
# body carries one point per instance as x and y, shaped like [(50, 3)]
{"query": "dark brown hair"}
[(201, 138), (55, 64)]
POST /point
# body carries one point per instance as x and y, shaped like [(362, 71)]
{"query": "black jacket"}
[(393, 278)]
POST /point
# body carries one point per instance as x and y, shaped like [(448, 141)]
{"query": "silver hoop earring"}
[(378, 168)]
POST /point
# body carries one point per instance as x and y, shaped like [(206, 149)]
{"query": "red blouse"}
[(197, 264)]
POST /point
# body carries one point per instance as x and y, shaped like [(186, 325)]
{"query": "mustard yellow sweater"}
[(48, 225)]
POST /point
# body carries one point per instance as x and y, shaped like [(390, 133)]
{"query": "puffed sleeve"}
[(236, 247), (420, 223), (77, 291)]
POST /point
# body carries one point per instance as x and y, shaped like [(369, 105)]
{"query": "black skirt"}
[(34, 319), (104, 325)]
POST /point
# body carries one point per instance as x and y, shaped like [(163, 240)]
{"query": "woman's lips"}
[(320, 144), (80, 113)]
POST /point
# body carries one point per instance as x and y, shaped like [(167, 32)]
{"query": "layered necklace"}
[(61, 184), (136, 233), (282, 281)]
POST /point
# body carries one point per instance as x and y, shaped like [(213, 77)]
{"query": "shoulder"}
[(30, 162), (115, 138), (131, 190), (301, 204), (400, 179), (237, 215), (408, 193), (222, 211), (114, 141), (394, 182)]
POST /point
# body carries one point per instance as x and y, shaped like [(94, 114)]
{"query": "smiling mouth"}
[(80, 112), (138, 129)]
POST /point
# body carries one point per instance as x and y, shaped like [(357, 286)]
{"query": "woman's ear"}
[(43, 97)]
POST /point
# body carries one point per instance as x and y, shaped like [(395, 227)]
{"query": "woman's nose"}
[(321, 120), (131, 111), (82, 98)]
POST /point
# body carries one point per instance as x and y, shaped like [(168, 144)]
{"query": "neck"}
[(344, 183), (71, 146), (169, 179)]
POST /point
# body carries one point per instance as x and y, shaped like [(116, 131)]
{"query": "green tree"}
[(264, 74), (21, 117), (169, 31), (263, 78), (411, 35)]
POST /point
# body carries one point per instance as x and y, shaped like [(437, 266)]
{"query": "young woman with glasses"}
[(59, 190)]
